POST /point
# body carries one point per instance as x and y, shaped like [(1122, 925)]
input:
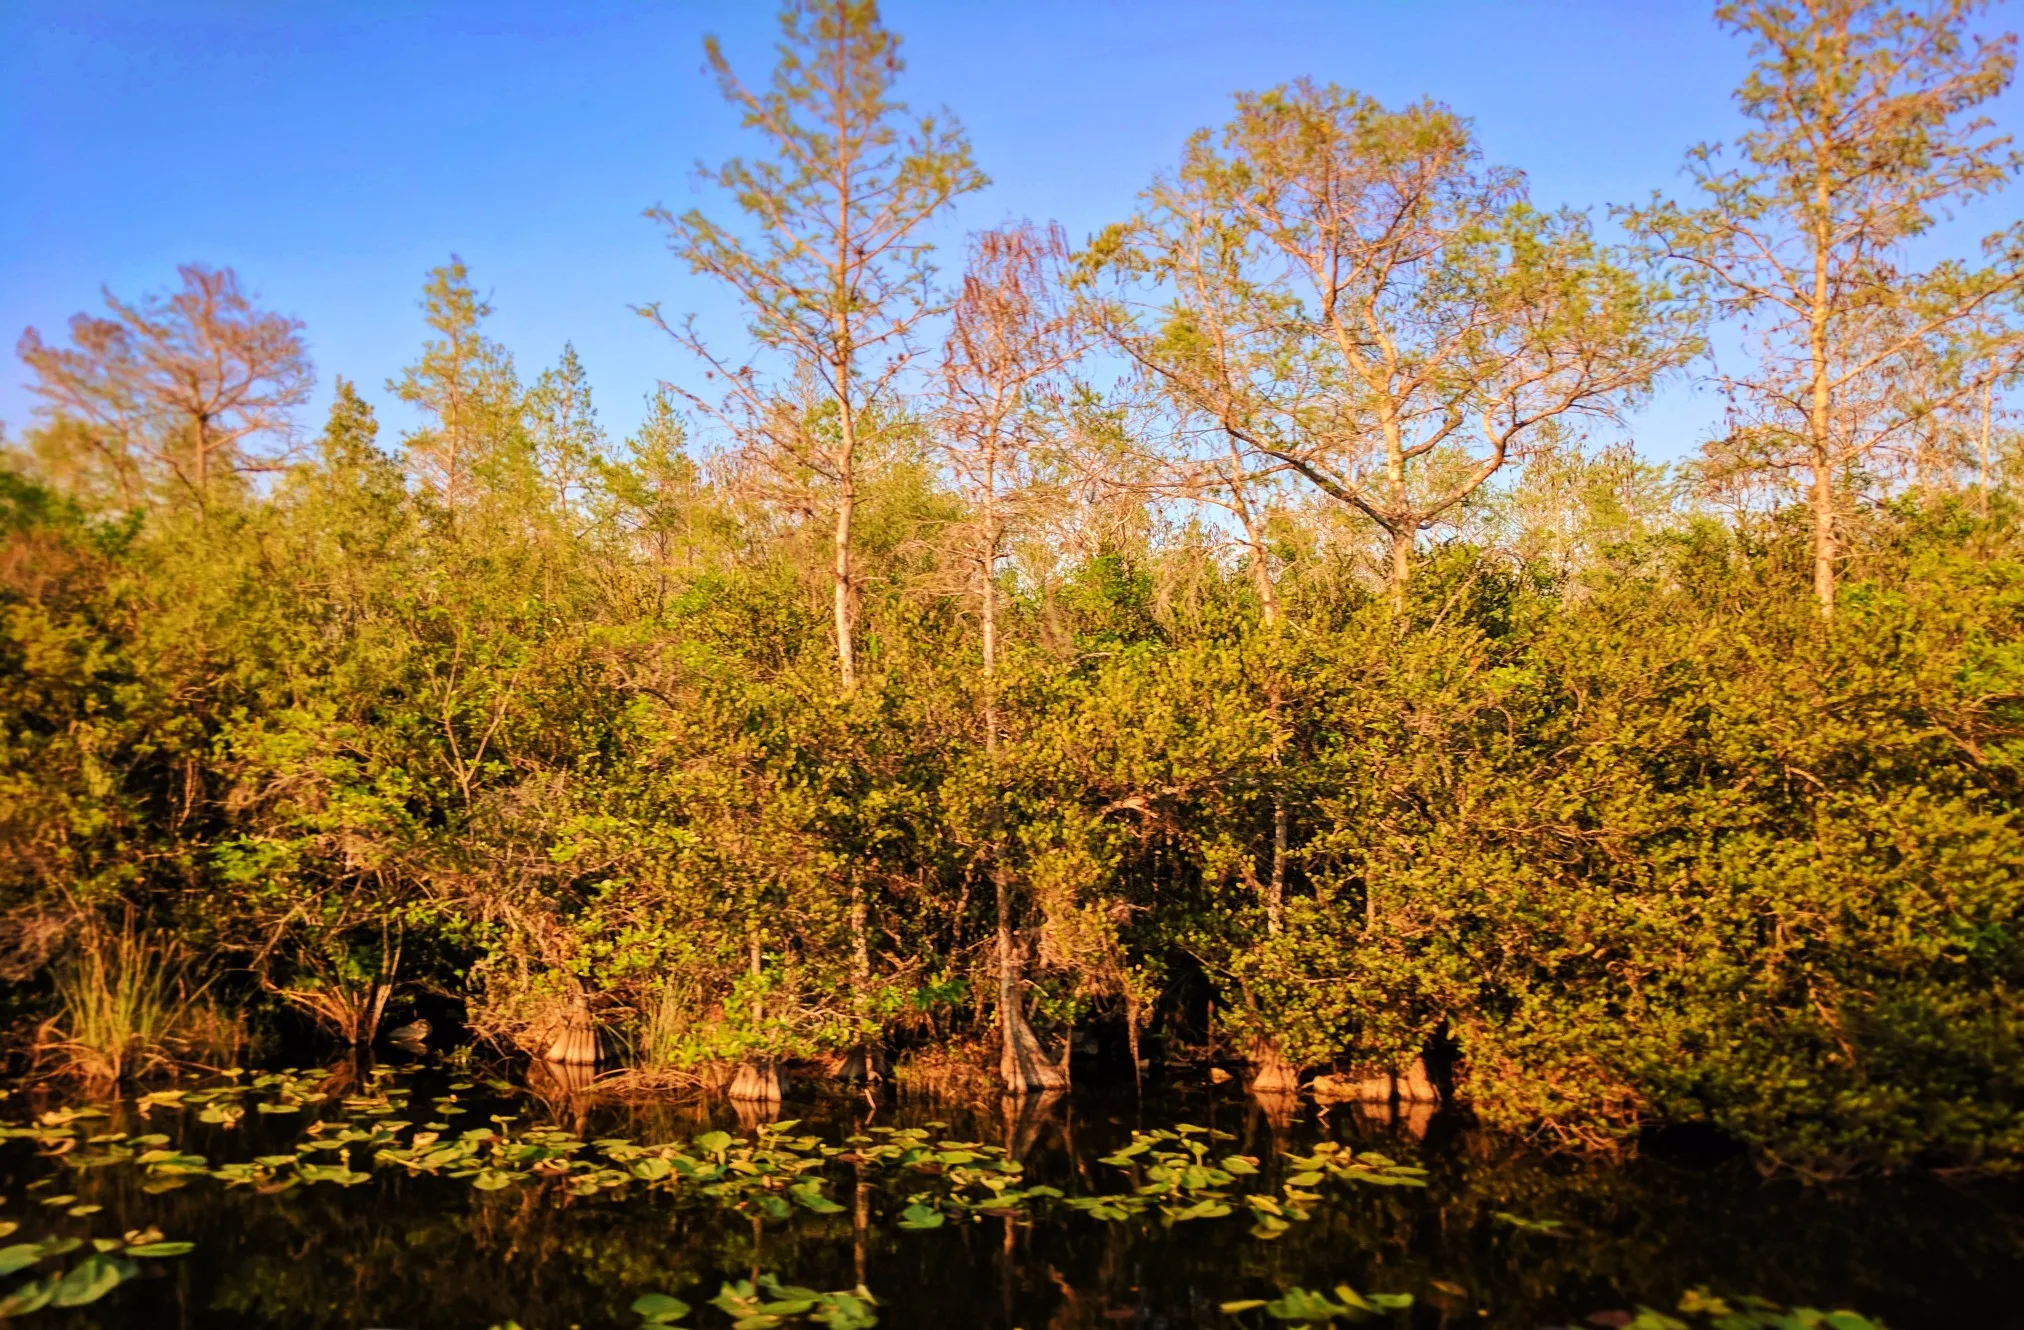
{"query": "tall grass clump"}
[(667, 1032), (127, 1007)]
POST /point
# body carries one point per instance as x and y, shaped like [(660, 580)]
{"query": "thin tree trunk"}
[(860, 941), (846, 650), (841, 301), (1818, 412), (863, 1063), (1824, 541), (758, 1079), (988, 592), (1022, 1065), (1254, 538), (846, 669), (1983, 482), (1131, 1034), (1401, 563), (1402, 527), (383, 985), (860, 1225), (202, 467), (1268, 603), (990, 628), (1275, 888)]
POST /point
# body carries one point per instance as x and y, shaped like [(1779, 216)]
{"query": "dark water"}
[(430, 1251)]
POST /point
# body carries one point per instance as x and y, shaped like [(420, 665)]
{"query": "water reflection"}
[(753, 1114), (430, 1251), (1026, 1116)]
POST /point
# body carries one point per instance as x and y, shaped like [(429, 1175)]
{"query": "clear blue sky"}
[(333, 152)]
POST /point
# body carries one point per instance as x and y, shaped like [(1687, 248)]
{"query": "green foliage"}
[(110, 1263), (692, 745), (771, 1303), (1308, 1309), (1702, 1308), (1646, 840)]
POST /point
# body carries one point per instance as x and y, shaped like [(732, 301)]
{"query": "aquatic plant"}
[(1182, 1182), (771, 1303), (1304, 1308), (112, 1262), (356, 1127), (1701, 1310), (127, 1007)]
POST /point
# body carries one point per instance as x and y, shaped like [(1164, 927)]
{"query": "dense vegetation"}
[(1245, 630)]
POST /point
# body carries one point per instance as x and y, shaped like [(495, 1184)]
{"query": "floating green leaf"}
[(91, 1279), (660, 1308), (161, 1249)]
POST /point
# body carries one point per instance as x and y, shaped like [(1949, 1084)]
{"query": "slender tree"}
[(656, 502), (1012, 331), (833, 269), (191, 391), (1863, 133), (567, 440), (832, 265), (465, 382), (1011, 334)]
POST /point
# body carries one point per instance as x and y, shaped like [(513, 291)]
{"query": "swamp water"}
[(424, 1199)]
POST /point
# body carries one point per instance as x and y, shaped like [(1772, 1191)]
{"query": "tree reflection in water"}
[(401, 1250)]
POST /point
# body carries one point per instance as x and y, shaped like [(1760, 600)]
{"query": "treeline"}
[(1240, 630)]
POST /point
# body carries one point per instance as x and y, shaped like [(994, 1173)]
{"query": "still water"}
[(432, 1198)]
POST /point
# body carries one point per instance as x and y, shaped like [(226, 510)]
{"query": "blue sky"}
[(333, 152)]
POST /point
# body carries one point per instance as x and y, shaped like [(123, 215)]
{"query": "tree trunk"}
[(1824, 541), (1275, 888), (988, 596), (383, 986), (1271, 1073), (1415, 1086), (1982, 484), (990, 627), (575, 1044), (1254, 540), (1268, 596), (846, 650), (1819, 410), (201, 464), (1022, 1066), (860, 1224), (860, 953), (1131, 1036), (1401, 564), (759, 1081), (864, 1062)]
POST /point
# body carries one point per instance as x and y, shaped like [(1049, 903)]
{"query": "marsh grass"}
[(677, 1029), (961, 1072), (130, 1004), (664, 1032)]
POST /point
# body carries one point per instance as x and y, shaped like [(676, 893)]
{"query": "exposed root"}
[(1023, 1068), (759, 1081), (1271, 1073)]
